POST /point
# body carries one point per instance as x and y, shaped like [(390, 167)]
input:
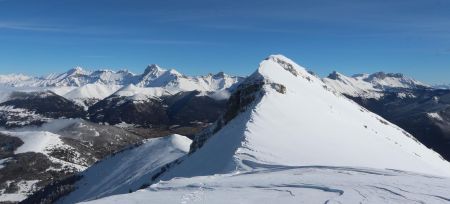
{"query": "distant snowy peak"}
[(371, 85)]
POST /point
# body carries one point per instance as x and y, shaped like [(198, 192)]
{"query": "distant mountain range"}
[(280, 116), (285, 135)]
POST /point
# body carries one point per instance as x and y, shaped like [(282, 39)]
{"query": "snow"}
[(435, 116), (308, 125), (129, 169), (132, 90), (353, 86), (35, 141), (310, 184), (42, 140), (24, 187), (370, 86), (304, 145), (80, 85), (92, 91)]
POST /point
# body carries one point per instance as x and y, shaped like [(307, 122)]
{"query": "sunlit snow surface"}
[(128, 170), (296, 185), (304, 145)]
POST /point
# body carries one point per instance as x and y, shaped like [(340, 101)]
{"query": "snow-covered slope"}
[(128, 170), (370, 86), (295, 185), (92, 92), (286, 138), (305, 124)]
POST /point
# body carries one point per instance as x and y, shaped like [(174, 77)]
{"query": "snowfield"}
[(308, 184)]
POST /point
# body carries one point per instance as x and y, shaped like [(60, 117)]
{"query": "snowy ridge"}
[(307, 120), (371, 86), (128, 170), (291, 140)]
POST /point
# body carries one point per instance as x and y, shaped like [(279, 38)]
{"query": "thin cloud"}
[(29, 27)]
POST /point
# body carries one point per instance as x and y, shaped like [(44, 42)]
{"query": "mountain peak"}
[(334, 75), (76, 71), (278, 68), (153, 68)]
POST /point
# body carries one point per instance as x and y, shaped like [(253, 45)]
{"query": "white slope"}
[(295, 185), (36, 141), (132, 91), (370, 86), (92, 91), (40, 141), (128, 170)]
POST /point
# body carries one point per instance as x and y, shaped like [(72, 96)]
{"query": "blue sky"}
[(202, 36)]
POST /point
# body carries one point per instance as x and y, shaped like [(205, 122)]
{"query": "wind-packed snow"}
[(313, 184), (128, 170)]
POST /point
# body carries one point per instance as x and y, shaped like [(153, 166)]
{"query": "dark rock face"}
[(413, 115), (47, 104)]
